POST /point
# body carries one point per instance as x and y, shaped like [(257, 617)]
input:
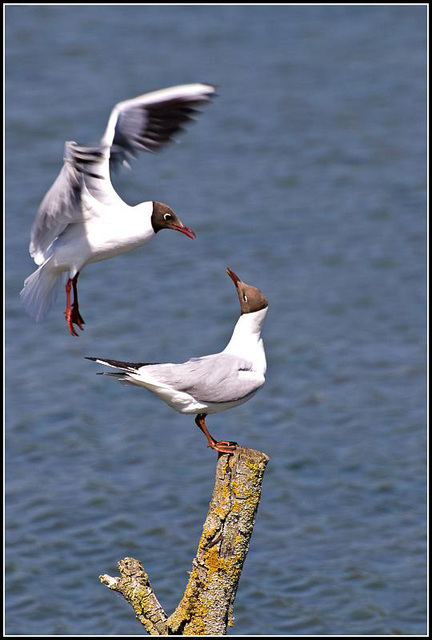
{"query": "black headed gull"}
[(211, 383), (82, 219)]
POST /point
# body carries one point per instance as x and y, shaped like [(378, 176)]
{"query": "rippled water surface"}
[(307, 177)]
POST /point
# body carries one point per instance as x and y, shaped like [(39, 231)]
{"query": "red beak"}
[(233, 276), (186, 230)]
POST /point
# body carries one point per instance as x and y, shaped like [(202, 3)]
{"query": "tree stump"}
[(206, 607)]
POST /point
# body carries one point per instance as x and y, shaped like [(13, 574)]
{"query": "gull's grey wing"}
[(59, 207), (216, 378), (62, 204), (148, 122)]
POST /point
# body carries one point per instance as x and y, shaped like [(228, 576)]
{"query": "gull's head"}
[(251, 298), (163, 217)]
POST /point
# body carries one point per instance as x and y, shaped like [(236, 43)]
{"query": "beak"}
[(233, 276), (186, 230)]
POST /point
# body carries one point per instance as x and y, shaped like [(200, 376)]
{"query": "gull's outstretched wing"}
[(148, 122)]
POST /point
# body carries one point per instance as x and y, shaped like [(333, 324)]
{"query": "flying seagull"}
[(212, 383), (82, 219)]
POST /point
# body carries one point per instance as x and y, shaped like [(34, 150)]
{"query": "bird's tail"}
[(40, 290), (130, 367)]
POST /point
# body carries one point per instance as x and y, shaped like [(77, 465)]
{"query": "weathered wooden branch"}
[(206, 607)]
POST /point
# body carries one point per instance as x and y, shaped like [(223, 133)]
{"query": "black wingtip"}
[(90, 358)]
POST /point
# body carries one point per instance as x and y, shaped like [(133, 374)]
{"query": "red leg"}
[(72, 312), (223, 446), (76, 316), (68, 311)]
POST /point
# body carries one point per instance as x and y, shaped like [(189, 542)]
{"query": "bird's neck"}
[(143, 210), (246, 338), (138, 218)]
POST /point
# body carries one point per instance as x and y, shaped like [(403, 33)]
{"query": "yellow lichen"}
[(212, 559)]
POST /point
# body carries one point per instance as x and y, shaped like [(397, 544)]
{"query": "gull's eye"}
[(244, 297), (167, 216)]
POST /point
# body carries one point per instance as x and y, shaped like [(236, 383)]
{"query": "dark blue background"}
[(307, 177)]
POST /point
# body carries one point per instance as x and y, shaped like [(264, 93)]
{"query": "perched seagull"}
[(211, 383), (82, 219)]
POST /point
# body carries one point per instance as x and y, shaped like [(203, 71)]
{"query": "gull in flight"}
[(212, 383), (82, 219)]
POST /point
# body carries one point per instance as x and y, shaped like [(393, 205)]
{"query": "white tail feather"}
[(40, 290)]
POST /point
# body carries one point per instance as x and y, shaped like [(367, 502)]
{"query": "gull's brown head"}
[(251, 298), (163, 217)]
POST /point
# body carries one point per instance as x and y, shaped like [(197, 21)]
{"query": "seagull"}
[(82, 219), (212, 383)]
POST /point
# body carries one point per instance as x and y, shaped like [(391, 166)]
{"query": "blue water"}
[(307, 177)]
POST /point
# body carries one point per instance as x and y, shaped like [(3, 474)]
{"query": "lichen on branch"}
[(206, 607)]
